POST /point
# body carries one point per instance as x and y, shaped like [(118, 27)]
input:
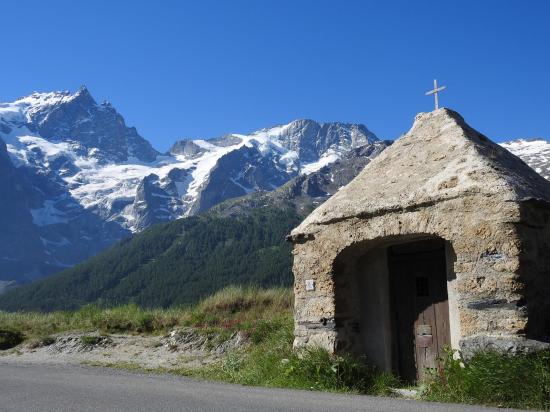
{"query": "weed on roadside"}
[(490, 378)]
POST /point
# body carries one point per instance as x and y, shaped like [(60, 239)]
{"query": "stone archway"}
[(391, 302)]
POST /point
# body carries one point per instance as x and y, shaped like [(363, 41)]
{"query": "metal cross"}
[(434, 92)]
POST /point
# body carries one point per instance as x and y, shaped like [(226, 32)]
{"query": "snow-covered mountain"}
[(534, 152), (75, 178)]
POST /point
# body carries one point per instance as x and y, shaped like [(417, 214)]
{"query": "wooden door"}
[(419, 306)]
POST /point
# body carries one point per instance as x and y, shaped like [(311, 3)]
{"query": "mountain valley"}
[(77, 180)]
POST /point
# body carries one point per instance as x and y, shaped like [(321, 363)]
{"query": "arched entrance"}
[(392, 305)]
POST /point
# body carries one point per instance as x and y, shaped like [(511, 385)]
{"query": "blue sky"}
[(177, 69)]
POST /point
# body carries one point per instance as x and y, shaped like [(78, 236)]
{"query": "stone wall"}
[(486, 295)]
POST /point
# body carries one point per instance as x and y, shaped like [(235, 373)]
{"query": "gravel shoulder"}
[(181, 348)]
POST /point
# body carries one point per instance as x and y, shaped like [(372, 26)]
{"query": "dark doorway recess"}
[(419, 306)]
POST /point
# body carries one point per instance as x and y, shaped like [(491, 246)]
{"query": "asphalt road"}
[(32, 387)]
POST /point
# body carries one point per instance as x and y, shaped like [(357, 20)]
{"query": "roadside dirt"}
[(181, 348)]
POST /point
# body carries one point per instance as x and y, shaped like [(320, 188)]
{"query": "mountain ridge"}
[(533, 151), (90, 180), (79, 179)]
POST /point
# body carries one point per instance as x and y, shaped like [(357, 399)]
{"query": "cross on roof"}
[(435, 91)]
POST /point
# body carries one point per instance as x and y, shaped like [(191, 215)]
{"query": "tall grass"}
[(271, 361), (490, 378), (237, 307), (230, 308)]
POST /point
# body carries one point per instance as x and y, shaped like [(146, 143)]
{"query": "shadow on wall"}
[(534, 268)]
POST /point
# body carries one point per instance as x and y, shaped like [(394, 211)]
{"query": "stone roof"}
[(440, 158)]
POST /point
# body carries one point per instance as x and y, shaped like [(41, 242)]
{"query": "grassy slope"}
[(173, 264), (232, 308)]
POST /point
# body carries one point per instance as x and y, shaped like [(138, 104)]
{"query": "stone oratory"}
[(442, 240)]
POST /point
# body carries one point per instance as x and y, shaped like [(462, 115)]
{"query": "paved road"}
[(32, 387)]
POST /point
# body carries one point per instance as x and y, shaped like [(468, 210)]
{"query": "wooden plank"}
[(403, 309), (418, 302)]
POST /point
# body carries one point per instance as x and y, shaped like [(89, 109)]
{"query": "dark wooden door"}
[(419, 306)]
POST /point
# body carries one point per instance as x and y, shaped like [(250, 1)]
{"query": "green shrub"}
[(10, 339), (317, 369), (271, 361), (517, 381), (264, 329)]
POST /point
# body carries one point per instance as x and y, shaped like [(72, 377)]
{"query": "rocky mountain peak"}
[(84, 95), (533, 151), (313, 140), (186, 148), (76, 118)]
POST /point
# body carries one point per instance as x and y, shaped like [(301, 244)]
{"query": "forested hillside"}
[(238, 242), (173, 264)]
